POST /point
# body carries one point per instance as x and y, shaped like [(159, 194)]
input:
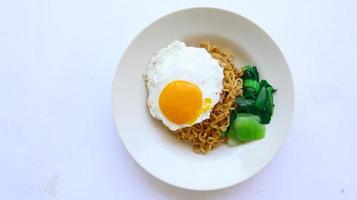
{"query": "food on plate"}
[(245, 128), (183, 83), (204, 99), (256, 103), (258, 96)]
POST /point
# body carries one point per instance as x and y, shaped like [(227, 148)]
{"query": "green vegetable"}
[(264, 83), (234, 115), (250, 72), (254, 109), (264, 103), (245, 105), (257, 96), (246, 128), (260, 101), (250, 83), (248, 115), (250, 88), (269, 103)]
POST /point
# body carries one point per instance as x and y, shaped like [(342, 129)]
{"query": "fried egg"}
[(183, 83)]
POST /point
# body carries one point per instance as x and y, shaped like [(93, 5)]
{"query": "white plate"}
[(149, 142)]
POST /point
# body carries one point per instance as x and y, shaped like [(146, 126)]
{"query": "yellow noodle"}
[(206, 135)]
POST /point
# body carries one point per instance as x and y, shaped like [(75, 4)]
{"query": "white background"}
[(57, 136)]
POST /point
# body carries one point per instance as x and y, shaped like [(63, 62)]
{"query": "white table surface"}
[(57, 136)]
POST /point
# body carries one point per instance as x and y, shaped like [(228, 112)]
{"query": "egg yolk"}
[(181, 101)]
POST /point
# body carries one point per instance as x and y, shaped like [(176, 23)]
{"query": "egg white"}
[(180, 62)]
